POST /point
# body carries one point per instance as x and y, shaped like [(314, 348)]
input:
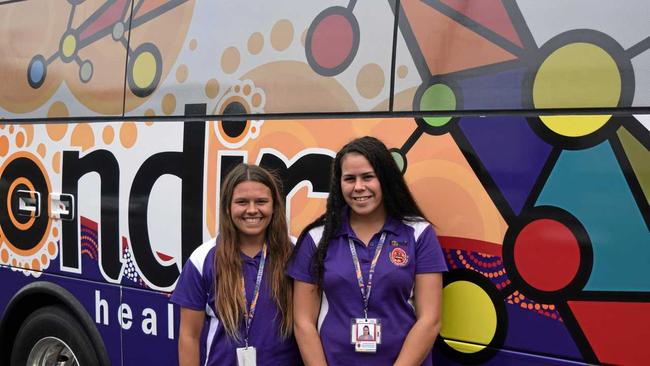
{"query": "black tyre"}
[(52, 336)]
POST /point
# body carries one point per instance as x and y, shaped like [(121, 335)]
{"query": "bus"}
[(521, 126)]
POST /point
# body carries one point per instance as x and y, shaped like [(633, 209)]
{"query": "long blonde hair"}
[(229, 299)]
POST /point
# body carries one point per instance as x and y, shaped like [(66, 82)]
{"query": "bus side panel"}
[(61, 58), (268, 57), (102, 302), (99, 301), (109, 211), (504, 357), (150, 335), (532, 225), (12, 282), (460, 56), (97, 188), (480, 55)]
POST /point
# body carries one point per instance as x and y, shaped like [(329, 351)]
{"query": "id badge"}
[(366, 334), (246, 356)]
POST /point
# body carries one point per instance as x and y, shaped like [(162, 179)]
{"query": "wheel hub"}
[(51, 351)]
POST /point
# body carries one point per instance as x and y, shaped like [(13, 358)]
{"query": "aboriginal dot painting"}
[(543, 215)]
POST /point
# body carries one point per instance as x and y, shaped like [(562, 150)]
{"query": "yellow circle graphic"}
[(468, 315), (69, 46), (144, 70), (575, 126), (577, 75)]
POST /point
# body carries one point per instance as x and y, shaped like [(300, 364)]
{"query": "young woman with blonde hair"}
[(235, 299)]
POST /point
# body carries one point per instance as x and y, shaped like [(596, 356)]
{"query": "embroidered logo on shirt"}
[(399, 257)]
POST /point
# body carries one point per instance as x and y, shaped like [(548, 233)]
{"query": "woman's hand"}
[(428, 308), (189, 336), (306, 307)]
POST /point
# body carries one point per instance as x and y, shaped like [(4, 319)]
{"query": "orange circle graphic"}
[(39, 164), (12, 187)]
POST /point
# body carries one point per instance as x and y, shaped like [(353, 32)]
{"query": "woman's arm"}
[(428, 306), (188, 336), (306, 306)]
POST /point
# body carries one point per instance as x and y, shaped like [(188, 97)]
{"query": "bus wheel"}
[(52, 336)]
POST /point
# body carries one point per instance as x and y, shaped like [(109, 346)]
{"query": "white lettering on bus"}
[(148, 321), (125, 316)]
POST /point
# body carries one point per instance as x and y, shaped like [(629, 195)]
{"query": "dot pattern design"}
[(18, 141), (547, 310), (130, 272), (489, 266)]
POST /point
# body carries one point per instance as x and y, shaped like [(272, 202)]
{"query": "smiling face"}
[(360, 187), (251, 210)]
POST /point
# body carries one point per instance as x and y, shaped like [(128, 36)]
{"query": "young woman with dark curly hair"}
[(372, 260)]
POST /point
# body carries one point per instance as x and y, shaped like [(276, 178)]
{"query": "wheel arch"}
[(40, 294)]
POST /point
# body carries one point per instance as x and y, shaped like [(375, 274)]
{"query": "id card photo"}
[(366, 334)]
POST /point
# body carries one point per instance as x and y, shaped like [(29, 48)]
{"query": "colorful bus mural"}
[(521, 126)]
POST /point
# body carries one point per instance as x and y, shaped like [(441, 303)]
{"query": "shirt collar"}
[(256, 258), (390, 226)]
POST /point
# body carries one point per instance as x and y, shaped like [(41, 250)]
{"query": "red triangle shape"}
[(488, 13), (618, 332), (107, 18), (147, 6), (446, 45)]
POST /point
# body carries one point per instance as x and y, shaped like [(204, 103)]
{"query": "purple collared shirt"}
[(195, 290), (410, 248)]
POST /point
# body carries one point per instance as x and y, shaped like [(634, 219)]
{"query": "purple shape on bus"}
[(531, 332), (511, 153), (502, 90)]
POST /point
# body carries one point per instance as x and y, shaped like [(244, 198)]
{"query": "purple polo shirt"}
[(392, 287), (195, 290)]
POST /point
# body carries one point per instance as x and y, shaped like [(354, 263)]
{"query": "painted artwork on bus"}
[(524, 140)]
